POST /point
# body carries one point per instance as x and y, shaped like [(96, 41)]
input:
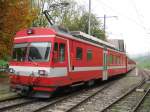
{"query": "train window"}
[(56, 46), (19, 52), (111, 59), (55, 53), (39, 51), (108, 59), (119, 60), (114, 59), (79, 53), (61, 52), (89, 55)]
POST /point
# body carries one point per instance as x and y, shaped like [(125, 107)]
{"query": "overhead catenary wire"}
[(137, 13), (123, 15)]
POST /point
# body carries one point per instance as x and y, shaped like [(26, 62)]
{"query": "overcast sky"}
[(132, 24)]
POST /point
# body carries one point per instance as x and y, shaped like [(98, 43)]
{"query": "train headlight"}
[(11, 70), (30, 31), (42, 72)]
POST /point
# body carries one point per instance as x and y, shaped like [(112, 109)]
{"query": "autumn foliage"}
[(14, 15)]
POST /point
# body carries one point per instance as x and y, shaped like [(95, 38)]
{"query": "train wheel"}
[(90, 83)]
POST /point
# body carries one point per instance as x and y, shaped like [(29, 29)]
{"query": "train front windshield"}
[(34, 52)]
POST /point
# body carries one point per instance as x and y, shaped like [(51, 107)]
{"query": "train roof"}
[(83, 36), (72, 35), (90, 38)]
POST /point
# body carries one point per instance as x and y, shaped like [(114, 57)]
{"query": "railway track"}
[(12, 103), (10, 99), (131, 100), (36, 105), (144, 104), (70, 102)]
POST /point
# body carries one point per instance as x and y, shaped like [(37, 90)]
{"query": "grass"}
[(3, 63)]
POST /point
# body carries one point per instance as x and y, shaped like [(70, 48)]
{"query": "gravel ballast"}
[(109, 95)]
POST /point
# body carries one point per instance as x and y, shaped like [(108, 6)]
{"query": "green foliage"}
[(143, 62), (3, 63)]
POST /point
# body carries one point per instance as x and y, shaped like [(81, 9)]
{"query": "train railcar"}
[(130, 64), (45, 59)]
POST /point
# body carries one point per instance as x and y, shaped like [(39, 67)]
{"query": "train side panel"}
[(86, 62), (116, 63)]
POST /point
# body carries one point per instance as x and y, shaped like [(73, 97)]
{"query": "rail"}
[(83, 98), (141, 101), (10, 99), (9, 107), (126, 94)]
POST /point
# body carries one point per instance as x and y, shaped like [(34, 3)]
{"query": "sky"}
[(132, 23)]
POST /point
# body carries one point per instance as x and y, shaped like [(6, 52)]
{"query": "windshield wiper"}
[(35, 63)]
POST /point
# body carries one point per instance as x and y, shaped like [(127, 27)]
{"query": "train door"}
[(60, 57), (105, 73)]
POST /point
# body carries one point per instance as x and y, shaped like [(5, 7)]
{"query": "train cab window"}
[(39, 51), (19, 52), (61, 52), (79, 52), (56, 46), (89, 55), (55, 53)]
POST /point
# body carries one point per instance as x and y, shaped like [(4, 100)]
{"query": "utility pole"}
[(104, 25), (106, 17), (89, 22)]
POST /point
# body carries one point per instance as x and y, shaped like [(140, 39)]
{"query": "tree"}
[(15, 15), (74, 17)]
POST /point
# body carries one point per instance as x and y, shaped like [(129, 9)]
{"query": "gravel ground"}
[(4, 87), (145, 107), (29, 107), (16, 101), (109, 95), (62, 104)]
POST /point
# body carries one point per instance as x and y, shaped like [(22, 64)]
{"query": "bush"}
[(3, 63)]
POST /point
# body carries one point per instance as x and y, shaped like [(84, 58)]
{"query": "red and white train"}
[(45, 59)]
